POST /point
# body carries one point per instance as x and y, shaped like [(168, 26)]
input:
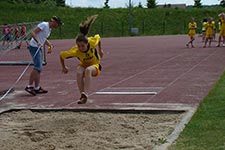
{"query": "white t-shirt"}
[(42, 35)]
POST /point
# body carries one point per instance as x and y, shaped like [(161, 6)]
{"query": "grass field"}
[(111, 22), (206, 130)]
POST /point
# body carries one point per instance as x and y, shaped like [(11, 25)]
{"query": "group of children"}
[(15, 32), (208, 31)]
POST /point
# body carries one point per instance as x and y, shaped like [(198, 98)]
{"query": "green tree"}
[(31, 1), (222, 3), (60, 3), (198, 4), (106, 4), (140, 5), (49, 3), (37, 1), (15, 1), (151, 3), (167, 6)]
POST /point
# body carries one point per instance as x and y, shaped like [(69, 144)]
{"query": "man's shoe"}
[(30, 90), (41, 91)]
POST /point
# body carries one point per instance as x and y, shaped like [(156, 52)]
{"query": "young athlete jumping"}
[(89, 57)]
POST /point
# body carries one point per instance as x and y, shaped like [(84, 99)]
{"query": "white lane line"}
[(126, 93)]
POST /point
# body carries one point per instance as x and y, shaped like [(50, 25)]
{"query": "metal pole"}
[(130, 17)]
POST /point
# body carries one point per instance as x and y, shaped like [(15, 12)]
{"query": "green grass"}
[(206, 130), (111, 22)]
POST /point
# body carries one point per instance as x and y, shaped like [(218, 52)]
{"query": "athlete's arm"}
[(64, 67), (34, 33), (48, 43), (100, 51)]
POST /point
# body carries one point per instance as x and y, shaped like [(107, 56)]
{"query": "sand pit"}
[(23, 130)]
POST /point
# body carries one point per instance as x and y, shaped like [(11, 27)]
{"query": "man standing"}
[(39, 38)]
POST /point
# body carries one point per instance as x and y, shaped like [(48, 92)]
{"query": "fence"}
[(14, 44), (119, 28)]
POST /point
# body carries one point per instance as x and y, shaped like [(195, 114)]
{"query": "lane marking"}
[(126, 93), (142, 72)]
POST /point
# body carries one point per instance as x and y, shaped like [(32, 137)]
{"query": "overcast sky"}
[(123, 3)]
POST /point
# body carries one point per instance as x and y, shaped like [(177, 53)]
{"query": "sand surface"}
[(27, 130)]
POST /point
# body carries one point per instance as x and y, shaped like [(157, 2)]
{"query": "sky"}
[(124, 3)]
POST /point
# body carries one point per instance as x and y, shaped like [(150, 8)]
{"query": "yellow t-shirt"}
[(210, 27), (203, 26), (88, 58), (219, 25), (214, 25), (192, 28), (222, 28), (222, 23)]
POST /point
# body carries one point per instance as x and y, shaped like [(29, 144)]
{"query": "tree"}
[(60, 3), (106, 4), (49, 3), (222, 3), (167, 6), (140, 5), (45, 2), (37, 1), (151, 3), (26, 1), (198, 4)]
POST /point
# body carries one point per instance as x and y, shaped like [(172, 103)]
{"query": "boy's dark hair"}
[(57, 19), (84, 29)]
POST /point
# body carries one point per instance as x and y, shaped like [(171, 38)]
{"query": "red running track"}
[(181, 76)]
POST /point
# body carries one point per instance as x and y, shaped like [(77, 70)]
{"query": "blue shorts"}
[(36, 57)]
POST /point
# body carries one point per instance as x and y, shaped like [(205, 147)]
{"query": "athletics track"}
[(155, 73), (176, 77)]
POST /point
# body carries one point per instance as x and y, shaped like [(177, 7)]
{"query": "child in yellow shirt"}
[(222, 29), (86, 52), (210, 29), (192, 26), (203, 29)]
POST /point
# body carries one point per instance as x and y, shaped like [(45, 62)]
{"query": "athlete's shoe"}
[(187, 45), (30, 90), (41, 91), (83, 98)]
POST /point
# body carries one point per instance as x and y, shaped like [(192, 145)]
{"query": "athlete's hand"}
[(101, 53), (65, 69)]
